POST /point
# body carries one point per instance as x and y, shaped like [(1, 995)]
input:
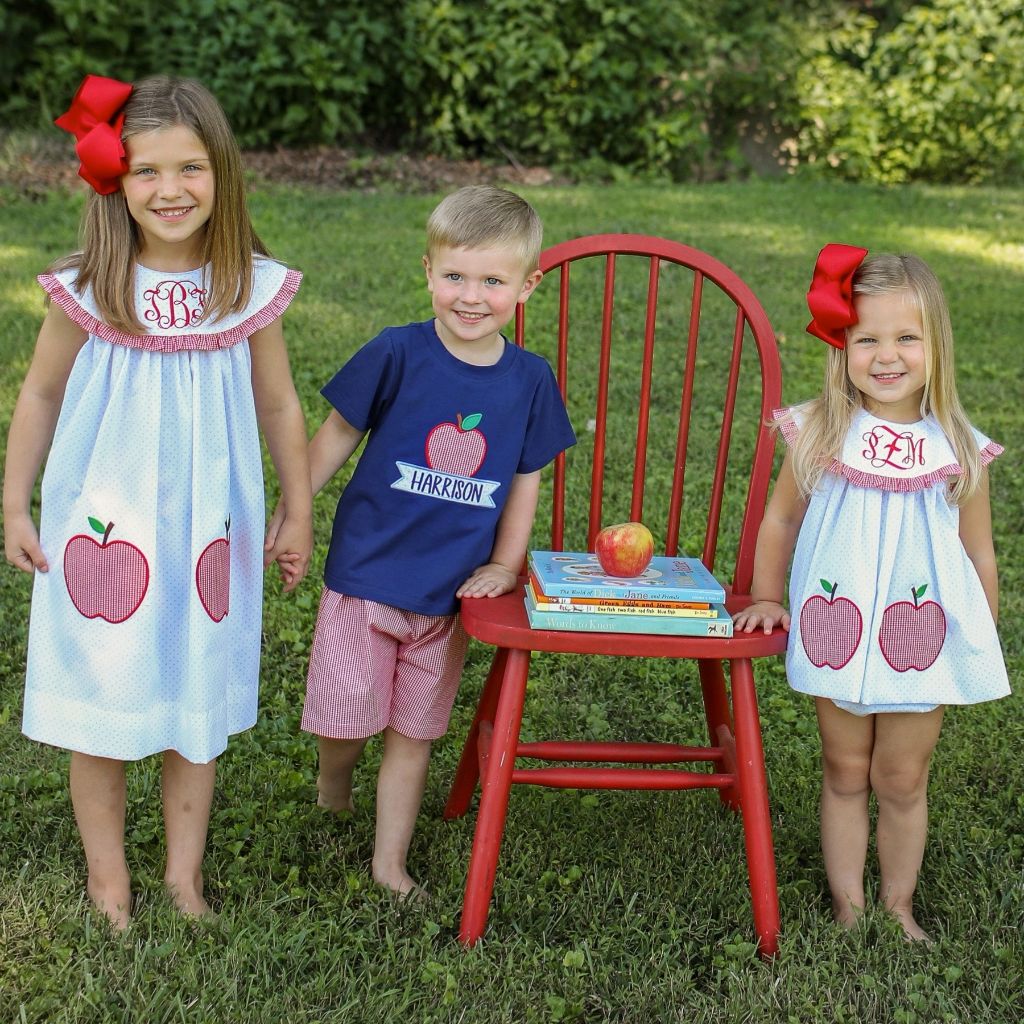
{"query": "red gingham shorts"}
[(374, 666)]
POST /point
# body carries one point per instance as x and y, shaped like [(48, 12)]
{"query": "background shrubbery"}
[(875, 90)]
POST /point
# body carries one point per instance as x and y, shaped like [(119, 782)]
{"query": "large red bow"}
[(96, 118), (830, 298)]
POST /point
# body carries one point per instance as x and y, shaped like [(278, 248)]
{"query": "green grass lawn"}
[(626, 907)]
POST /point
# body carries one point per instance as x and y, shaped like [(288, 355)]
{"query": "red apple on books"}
[(625, 549), (213, 575), (830, 629), (106, 579), (911, 635)]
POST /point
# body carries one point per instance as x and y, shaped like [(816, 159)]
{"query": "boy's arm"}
[(511, 538), (32, 426), (976, 537), (280, 418), (775, 542)]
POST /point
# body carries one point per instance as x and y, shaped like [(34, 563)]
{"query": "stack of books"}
[(569, 590)]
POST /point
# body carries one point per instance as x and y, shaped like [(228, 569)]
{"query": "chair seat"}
[(502, 621)]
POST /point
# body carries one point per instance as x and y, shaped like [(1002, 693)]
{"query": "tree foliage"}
[(879, 90)]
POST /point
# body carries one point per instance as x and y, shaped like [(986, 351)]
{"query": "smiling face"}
[(170, 192), (474, 294), (886, 357)]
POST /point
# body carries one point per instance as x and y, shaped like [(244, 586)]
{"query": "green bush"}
[(939, 97), (886, 90)]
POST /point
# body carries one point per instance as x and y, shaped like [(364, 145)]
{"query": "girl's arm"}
[(976, 537), (32, 425), (332, 446), (281, 420), (775, 542), (511, 538)]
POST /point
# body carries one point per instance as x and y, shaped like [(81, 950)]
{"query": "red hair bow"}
[(830, 298), (96, 118)]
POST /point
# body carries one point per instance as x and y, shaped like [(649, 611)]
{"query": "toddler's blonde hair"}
[(483, 217), (827, 418)]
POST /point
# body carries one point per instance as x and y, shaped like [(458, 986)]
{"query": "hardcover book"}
[(720, 626), (579, 574), (577, 605), (612, 602)]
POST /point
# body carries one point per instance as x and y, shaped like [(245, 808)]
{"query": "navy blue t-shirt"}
[(445, 440)]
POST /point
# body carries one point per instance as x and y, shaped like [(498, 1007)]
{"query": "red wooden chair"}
[(714, 438)]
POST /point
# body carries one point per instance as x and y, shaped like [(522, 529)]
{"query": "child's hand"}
[(490, 580), (273, 527), (766, 614), (289, 543), (21, 544)]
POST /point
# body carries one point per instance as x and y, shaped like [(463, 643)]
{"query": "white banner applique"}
[(464, 490)]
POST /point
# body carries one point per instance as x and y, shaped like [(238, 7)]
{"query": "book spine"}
[(610, 603), (582, 623), (578, 608)]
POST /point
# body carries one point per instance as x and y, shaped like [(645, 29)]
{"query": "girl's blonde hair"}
[(111, 240), (828, 418)]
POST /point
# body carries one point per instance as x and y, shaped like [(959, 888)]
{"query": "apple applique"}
[(457, 448), (213, 575), (105, 579), (912, 634), (830, 628)]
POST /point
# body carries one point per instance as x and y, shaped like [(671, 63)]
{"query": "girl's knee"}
[(846, 776), (899, 783)]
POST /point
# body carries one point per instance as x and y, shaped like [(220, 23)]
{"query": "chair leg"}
[(468, 771), (494, 792), (757, 825), (716, 711)]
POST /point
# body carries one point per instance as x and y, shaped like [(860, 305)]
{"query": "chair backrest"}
[(670, 372)]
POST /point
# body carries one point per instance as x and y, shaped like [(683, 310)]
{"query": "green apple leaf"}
[(97, 525), (919, 591), (470, 421), (830, 588)]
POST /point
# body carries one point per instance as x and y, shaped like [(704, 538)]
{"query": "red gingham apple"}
[(830, 629), (213, 575), (911, 635), (457, 448), (105, 580)]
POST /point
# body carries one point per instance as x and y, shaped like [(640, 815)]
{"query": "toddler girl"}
[(159, 355), (884, 494)]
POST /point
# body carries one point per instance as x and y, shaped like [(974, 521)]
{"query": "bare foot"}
[(114, 901), (912, 931), (188, 897), (401, 884), (847, 915), (338, 800)]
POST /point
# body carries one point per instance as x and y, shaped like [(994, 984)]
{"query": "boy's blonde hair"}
[(828, 418), (484, 216), (111, 240)]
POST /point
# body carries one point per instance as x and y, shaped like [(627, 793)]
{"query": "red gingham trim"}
[(174, 342), (900, 485)]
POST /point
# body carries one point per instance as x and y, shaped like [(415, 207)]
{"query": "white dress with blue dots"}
[(888, 611), (145, 632)]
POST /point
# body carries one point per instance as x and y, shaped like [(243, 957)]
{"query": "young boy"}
[(439, 507)]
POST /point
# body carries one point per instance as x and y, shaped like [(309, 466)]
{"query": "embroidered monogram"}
[(886, 447), (174, 304)]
